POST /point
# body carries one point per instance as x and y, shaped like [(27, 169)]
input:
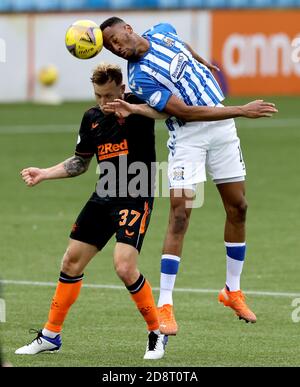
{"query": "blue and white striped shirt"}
[(168, 68)]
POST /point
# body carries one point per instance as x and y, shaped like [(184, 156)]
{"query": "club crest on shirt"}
[(168, 41)]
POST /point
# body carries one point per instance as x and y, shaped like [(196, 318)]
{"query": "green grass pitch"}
[(103, 327)]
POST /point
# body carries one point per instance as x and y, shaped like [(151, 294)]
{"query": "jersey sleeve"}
[(163, 28), (151, 91), (85, 147)]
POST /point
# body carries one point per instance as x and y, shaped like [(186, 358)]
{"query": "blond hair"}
[(106, 72)]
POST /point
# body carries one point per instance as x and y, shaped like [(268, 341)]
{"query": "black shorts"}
[(101, 218)]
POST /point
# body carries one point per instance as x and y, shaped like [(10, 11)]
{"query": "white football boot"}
[(155, 346), (40, 344)]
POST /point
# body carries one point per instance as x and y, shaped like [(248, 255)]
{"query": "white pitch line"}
[(272, 123), (119, 287), (70, 128)]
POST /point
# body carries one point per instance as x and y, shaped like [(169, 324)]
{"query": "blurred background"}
[(256, 43)]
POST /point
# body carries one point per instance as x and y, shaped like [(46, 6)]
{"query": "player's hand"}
[(32, 176), (121, 108), (258, 109), (212, 67)]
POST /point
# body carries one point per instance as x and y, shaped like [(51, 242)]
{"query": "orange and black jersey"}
[(120, 145)]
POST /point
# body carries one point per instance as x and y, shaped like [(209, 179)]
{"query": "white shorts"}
[(199, 146)]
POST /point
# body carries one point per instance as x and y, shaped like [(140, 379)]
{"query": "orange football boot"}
[(236, 301), (167, 322)]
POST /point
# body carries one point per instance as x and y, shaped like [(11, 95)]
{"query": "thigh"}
[(131, 220), (125, 253), (224, 158), (78, 255), (187, 167), (81, 250), (187, 156), (180, 201), (94, 225)]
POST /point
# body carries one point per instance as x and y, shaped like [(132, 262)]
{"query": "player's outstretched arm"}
[(255, 109), (74, 166), (198, 58), (124, 109)]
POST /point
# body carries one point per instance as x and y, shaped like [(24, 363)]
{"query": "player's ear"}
[(128, 28), (123, 89)]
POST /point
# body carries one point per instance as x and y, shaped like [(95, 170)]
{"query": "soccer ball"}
[(48, 75), (84, 39)]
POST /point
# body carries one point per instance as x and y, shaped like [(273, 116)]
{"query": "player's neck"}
[(142, 46)]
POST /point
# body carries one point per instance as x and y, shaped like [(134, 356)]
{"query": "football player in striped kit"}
[(172, 78)]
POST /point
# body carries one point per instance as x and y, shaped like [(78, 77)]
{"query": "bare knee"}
[(236, 213), (71, 263), (126, 272), (126, 269), (179, 220)]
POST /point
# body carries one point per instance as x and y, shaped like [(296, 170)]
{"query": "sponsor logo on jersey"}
[(106, 151), (155, 99), (178, 66)]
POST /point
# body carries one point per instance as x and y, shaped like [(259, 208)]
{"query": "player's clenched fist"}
[(32, 176)]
